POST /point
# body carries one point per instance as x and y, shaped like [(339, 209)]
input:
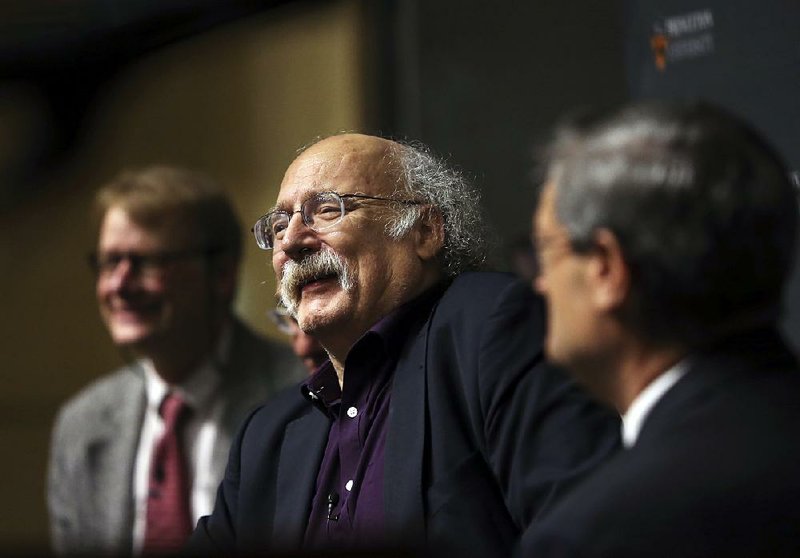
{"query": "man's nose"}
[(121, 277), (298, 238), (539, 283)]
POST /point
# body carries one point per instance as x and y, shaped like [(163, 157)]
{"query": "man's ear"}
[(608, 275), (428, 234)]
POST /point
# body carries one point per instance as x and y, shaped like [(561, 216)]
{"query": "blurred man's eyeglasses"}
[(319, 212), (143, 264), (282, 320)]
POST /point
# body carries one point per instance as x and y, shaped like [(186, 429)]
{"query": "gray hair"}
[(425, 177), (701, 206)]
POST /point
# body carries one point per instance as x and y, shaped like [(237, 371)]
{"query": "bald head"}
[(367, 160)]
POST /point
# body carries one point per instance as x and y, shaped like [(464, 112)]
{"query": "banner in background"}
[(740, 54)]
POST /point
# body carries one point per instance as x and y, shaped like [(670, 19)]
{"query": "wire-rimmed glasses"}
[(319, 212)]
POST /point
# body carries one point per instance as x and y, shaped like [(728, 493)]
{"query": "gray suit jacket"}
[(96, 433)]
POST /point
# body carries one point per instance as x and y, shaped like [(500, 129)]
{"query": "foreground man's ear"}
[(428, 233)]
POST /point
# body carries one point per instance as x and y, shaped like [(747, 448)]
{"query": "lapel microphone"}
[(333, 499)]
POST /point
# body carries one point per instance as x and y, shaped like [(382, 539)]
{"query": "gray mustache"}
[(324, 263)]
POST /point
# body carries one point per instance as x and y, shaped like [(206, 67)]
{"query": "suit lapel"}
[(403, 497), (301, 454), (710, 371), (111, 454), (240, 393)]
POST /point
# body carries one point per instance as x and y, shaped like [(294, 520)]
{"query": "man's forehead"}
[(335, 163), (163, 228), (544, 218)]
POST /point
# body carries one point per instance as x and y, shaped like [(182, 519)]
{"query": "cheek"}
[(381, 267), (179, 288), (562, 302), (192, 285), (100, 290), (111, 287)]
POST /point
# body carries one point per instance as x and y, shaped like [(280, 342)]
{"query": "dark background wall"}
[(485, 81)]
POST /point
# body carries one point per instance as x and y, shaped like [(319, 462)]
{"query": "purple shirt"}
[(347, 509)]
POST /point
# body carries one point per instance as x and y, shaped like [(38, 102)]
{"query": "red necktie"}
[(169, 519)]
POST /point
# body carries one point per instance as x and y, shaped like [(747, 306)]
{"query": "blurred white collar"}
[(636, 414), (199, 387)]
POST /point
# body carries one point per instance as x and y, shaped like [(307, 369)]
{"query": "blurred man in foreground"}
[(435, 421), (136, 456), (666, 233)]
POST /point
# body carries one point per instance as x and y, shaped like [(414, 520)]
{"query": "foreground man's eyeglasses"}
[(319, 212)]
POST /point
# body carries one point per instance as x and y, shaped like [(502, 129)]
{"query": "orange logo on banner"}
[(658, 43)]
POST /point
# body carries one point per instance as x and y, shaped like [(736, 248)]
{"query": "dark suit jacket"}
[(96, 434), (481, 435), (716, 470)]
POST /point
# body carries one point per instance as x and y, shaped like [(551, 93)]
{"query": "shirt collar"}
[(387, 335), (392, 330), (322, 387), (634, 417)]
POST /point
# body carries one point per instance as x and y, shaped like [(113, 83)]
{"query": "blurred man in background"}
[(305, 347), (666, 233), (136, 457)]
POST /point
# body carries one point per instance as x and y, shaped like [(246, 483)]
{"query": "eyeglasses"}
[(143, 264), (543, 242), (319, 212)]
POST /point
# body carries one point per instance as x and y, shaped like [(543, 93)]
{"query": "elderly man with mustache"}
[(435, 424)]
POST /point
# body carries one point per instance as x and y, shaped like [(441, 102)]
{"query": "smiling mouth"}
[(317, 280), (132, 312)]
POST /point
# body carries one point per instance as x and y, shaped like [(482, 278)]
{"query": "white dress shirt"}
[(201, 393), (633, 419)]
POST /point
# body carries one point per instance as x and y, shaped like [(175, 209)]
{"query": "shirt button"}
[(352, 412), (349, 485)]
